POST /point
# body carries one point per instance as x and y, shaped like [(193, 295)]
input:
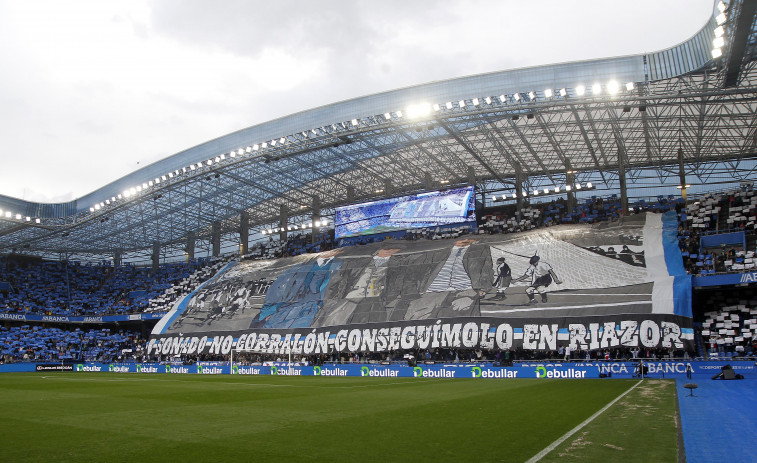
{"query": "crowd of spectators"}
[(49, 344), (93, 289)]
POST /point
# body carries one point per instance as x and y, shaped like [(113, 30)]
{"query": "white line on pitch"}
[(567, 435)]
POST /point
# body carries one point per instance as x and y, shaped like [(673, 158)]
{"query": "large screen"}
[(432, 209)]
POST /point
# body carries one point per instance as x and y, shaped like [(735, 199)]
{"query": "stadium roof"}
[(645, 115)]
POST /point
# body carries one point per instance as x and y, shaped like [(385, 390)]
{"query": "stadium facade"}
[(659, 125), (638, 126)]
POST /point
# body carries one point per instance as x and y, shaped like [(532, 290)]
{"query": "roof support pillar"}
[(283, 219), (622, 182), (428, 184), (471, 176), (215, 238), (388, 188), (190, 247), (316, 217), (244, 232), (155, 256), (682, 174), (519, 179), (570, 179)]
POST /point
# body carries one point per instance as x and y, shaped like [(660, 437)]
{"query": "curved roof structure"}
[(609, 120)]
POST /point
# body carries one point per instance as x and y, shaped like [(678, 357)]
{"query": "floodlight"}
[(629, 86), (36, 220), (717, 53), (255, 147), (418, 110), (91, 209), (589, 185), (387, 116), (721, 7), (596, 89), (720, 19), (719, 31), (548, 93), (563, 92), (134, 190), (144, 186), (399, 113), (525, 194), (475, 102), (437, 107), (494, 198), (546, 191), (18, 216), (531, 96), (580, 90), (536, 192), (613, 87), (516, 96), (557, 189), (97, 207), (8, 214), (170, 175), (107, 201), (503, 98), (209, 162), (139, 188), (28, 219), (488, 100), (568, 188), (449, 105), (354, 122), (578, 186), (192, 167), (718, 42), (461, 103), (273, 142), (515, 196), (264, 145), (150, 183)]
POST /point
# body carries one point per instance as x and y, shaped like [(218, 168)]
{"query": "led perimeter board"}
[(431, 209)]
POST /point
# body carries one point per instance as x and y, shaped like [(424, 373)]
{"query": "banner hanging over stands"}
[(590, 333), (621, 284)]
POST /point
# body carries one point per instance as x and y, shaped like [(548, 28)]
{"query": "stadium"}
[(538, 264)]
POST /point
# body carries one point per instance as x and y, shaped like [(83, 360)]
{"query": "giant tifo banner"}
[(618, 285)]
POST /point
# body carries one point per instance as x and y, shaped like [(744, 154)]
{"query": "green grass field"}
[(78, 417)]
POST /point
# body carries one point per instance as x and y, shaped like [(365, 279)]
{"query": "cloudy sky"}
[(93, 90)]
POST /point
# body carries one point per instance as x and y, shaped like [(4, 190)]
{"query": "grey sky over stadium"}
[(93, 90)]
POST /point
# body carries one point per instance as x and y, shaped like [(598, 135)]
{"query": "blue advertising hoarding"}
[(695, 370)]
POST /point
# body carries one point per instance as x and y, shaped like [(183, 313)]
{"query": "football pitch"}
[(78, 417)]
